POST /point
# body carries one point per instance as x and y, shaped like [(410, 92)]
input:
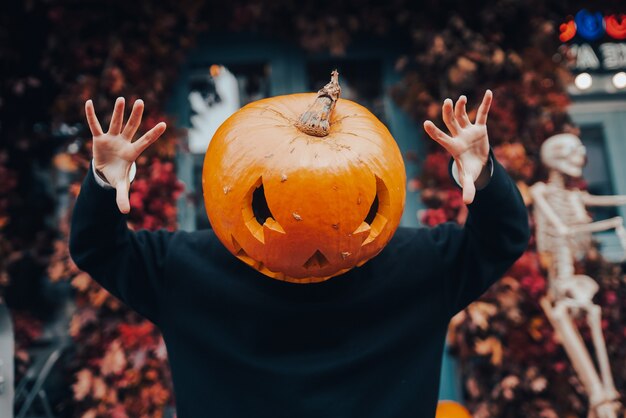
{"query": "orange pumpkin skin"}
[(451, 409), (319, 189)]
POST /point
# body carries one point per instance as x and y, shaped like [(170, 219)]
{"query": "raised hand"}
[(468, 142), (114, 152)]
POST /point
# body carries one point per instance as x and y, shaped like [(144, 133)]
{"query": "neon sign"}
[(607, 57), (616, 27), (591, 26)]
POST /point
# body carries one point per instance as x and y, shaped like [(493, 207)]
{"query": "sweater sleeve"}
[(126, 263), (476, 255)]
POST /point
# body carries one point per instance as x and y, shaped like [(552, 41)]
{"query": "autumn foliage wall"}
[(57, 54)]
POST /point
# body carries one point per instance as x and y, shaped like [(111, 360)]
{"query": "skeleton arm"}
[(592, 200), (541, 203), (603, 225), (544, 207), (616, 223)]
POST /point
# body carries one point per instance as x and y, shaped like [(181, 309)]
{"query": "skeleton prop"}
[(563, 230)]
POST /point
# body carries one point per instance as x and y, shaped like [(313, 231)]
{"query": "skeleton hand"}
[(468, 142), (114, 152)]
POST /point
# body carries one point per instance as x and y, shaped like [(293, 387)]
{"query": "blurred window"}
[(596, 172)]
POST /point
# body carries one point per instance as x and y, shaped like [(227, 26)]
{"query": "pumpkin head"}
[(304, 187)]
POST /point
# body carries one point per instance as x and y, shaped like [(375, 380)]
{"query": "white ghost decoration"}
[(210, 114)]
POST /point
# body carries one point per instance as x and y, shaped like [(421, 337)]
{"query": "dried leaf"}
[(114, 360)]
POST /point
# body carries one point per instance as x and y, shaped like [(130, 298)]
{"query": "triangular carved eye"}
[(259, 205), (256, 212), (377, 216), (316, 260), (373, 211)]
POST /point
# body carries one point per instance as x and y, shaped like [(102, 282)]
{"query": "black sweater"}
[(367, 343)]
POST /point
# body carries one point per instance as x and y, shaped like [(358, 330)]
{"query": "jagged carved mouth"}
[(257, 215)]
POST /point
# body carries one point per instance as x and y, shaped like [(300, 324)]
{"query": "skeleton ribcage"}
[(569, 207)]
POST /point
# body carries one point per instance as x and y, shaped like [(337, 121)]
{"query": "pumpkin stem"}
[(315, 120)]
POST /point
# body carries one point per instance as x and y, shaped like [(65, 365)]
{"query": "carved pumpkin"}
[(304, 187)]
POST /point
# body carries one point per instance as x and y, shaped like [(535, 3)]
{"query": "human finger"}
[(92, 119), (449, 119), (469, 188), (134, 120), (115, 127), (121, 196), (148, 138), (483, 109), (460, 112), (438, 135)]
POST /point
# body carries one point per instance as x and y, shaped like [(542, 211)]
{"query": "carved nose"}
[(317, 260)]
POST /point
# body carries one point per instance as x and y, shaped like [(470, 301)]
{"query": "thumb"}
[(121, 196), (469, 189)]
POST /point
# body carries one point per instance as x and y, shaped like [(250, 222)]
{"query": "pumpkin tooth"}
[(235, 244), (377, 226), (271, 224), (364, 227), (316, 260), (241, 254)]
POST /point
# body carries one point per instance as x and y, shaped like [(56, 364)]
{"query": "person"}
[(367, 343)]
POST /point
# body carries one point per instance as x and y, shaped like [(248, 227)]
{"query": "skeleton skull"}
[(564, 153)]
